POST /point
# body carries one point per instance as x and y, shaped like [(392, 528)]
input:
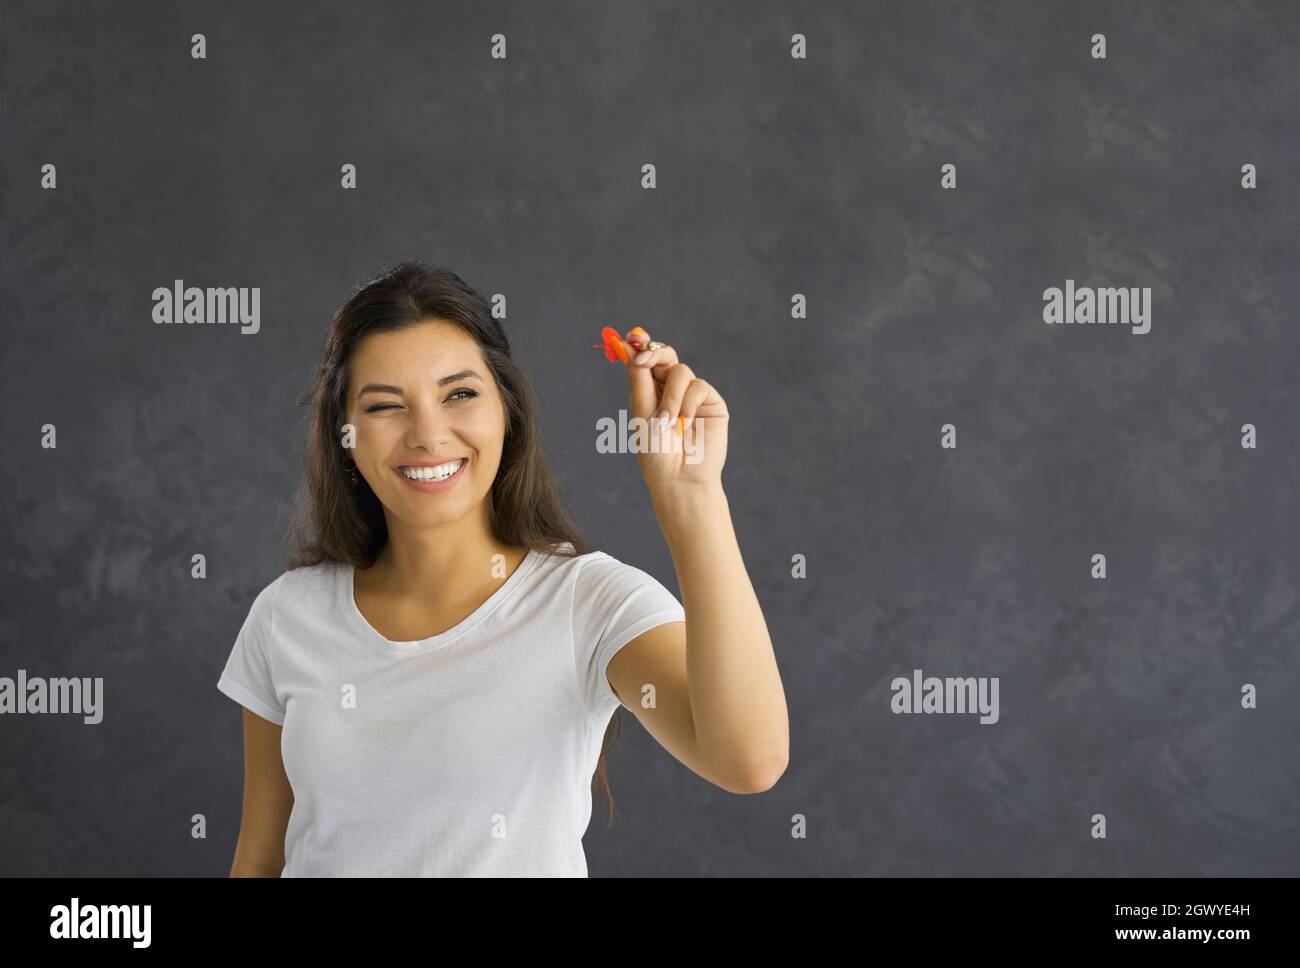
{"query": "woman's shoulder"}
[(608, 592), (564, 558), (599, 569), (298, 586), (311, 579)]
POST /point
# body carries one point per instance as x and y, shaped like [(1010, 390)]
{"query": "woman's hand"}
[(675, 456)]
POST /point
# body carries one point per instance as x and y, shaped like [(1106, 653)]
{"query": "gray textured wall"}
[(775, 176)]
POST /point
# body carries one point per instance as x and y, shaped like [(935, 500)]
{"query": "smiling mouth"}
[(431, 475)]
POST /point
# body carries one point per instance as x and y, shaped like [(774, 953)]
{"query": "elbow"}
[(245, 871), (761, 779)]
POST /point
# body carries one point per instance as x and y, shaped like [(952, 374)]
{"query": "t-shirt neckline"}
[(347, 592)]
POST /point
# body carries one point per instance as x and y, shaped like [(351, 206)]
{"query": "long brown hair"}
[(336, 520)]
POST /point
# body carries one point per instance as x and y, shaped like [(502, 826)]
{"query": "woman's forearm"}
[(737, 700)]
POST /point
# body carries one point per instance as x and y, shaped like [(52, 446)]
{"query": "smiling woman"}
[(429, 687)]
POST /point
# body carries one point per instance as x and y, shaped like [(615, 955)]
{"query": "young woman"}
[(428, 687)]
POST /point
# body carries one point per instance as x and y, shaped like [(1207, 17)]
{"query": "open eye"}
[(471, 393)]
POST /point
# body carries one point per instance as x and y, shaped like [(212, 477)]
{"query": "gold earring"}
[(351, 466)]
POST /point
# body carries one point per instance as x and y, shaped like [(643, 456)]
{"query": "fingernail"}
[(642, 357), (663, 418)]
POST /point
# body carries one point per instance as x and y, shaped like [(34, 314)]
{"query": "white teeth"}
[(439, 473)]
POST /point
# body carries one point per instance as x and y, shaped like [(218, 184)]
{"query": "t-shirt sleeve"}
[(249, 676), (613, 603)]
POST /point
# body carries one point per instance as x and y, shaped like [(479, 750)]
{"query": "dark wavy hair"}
[(336, 520)]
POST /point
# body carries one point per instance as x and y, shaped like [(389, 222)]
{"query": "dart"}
[(613, 345)]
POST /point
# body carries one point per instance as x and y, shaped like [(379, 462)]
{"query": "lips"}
[(430, 484), (430, 472)]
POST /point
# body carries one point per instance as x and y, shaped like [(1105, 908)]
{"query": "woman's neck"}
[(454, 560)]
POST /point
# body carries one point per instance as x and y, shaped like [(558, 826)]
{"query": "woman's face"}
[(421, 397)]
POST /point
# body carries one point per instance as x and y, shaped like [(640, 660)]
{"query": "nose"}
[(427, 426)]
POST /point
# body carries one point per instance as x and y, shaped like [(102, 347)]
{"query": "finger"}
[(675, 385), (697, 394), (646, 379), (643, 391), (638, 337), (657, 360)]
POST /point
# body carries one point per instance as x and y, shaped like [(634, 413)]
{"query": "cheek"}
[(374, 439), (482, 427)]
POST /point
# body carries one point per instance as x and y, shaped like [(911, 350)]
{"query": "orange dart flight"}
[(613, 345)]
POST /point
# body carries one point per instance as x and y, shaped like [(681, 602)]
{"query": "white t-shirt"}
[(470, 753)]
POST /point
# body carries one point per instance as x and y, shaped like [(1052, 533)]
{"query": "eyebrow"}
[(389, 388)]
